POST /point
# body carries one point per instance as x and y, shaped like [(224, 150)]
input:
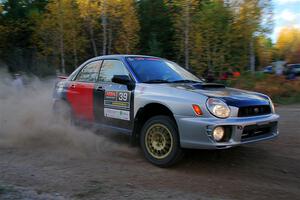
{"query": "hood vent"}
[(205, 86)]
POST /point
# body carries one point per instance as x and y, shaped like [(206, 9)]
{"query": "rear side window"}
[(110, 68), (89, 73)]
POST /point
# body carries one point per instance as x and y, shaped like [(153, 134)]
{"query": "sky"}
[(286, 14)]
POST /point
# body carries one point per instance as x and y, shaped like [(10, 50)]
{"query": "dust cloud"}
[(27, 121)]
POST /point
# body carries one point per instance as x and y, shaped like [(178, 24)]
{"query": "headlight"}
[(218, 108)]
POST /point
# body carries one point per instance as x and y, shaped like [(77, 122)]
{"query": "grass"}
[(294, 99)]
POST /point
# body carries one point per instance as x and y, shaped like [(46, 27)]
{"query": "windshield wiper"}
[(185, 81), (156, 81)]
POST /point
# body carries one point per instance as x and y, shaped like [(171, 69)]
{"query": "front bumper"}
[(195, 133)]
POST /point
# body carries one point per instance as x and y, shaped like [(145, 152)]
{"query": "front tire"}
[(160, 141)]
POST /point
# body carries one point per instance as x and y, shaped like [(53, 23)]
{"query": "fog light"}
[(218, 133)]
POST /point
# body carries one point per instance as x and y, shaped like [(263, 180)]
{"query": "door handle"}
[(100, 88), (73, 86)]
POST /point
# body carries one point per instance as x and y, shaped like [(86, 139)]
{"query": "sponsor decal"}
[(143, 58), (117, 114), (117, 99), (117, 104), (112, 95)]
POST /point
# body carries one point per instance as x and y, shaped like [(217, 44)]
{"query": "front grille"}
[(254, 111), (258, 130)]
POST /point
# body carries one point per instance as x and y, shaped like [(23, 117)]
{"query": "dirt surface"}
[(43, 158), (106, 167)]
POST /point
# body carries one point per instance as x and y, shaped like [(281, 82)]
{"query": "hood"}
[(233, 97)]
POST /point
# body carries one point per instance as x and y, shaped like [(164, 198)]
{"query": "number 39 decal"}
[(123, 96)]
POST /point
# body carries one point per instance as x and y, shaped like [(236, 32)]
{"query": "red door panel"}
[(80, 96)]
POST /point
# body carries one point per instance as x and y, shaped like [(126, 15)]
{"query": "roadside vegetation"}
[(45, 37), (49, 37), (281, 91)]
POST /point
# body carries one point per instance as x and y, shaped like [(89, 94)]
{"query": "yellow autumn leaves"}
[(288, 44), (69, 26)]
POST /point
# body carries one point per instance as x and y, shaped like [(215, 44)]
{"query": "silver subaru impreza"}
[(163, 106)]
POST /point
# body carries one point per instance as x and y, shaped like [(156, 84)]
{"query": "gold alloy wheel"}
[(159, 141)]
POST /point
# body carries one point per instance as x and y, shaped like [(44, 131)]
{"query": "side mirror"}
[(121, 79)]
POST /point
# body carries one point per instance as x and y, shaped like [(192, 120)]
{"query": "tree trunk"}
[(109, 40), (186, 34), (127, 47), (61, 41), (252, 56), (75, 54), (92, 38), (62, 54), (104, 28)]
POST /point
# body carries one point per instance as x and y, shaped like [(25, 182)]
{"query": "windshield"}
[(156, 70)]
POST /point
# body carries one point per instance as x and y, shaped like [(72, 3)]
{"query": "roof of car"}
[(121, 56)]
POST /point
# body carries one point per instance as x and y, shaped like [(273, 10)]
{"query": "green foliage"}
[(154, 46), (265, 50), (157, 30), (59, 34), (281, 91), (293, 99), (17, 26), (126, 33), (247, 81), (44, 35), (212, 33)]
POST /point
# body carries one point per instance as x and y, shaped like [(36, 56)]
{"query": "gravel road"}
[(40, 159)]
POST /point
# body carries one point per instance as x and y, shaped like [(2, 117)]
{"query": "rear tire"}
[(160, 141)]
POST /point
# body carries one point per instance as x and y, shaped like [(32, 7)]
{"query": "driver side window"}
[(110, 68)]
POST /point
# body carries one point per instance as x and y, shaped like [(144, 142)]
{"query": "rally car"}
[(163, 106)]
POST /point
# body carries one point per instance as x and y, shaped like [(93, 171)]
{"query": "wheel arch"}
[(148, 111)]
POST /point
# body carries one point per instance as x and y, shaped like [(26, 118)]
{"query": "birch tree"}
[(249, 23), (211, 37), (184, 12), (127, 34), (89, 11), (103, 10), (264, 50), (59, 32)]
